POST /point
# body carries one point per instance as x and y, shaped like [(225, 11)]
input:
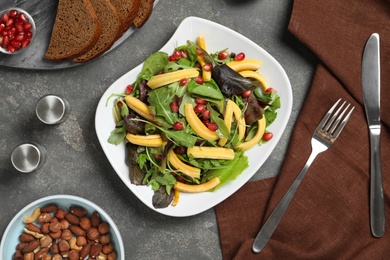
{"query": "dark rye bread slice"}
[(76, 29), (144, 12), (111, 24), (128, 10)]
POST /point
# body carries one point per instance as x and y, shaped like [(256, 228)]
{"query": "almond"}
[(41, 253), (95, 250), (85, 250), (78, 211), (49, 208), (26, 238), (33, 228), (76, 230), (73, 219), (95, 219), (31, 246)]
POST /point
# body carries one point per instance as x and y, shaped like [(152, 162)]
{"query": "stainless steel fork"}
[(323, 137)]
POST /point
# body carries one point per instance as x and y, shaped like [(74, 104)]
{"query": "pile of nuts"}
[(51, 233)]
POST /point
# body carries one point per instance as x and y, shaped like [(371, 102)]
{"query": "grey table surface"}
[(76, 163)]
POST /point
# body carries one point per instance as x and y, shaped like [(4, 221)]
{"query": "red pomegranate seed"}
[(12, 32), (200, 101), (267, 136), (184, 54), (178, 126), (223, 55), (206, 114), (239, 57), (5, 17), (19, 37), (176, 54), (212, 126), (180, 149), (171, 58), (199, 52), (199, 108), (119, 104), (28, 35), (27, 26), (6, 40), (11, 48), (174, 106), (246, 94), (23, 17), (2, 27), (199, 80), (9, 22), (129, 89), (25, 43), (207, 67), (19, 26), (183, 82), (270, 90), (13, 13), (16, 44)]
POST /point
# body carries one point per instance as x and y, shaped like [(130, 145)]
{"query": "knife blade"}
[(371, 99)]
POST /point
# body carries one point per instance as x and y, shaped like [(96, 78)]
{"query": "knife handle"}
[(377, 208)]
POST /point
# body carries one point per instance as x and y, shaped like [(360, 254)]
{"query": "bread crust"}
[(111, 24), (144, 12), (69, 40), (128, 10)]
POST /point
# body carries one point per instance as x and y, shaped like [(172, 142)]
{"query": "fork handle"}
[(273, 220), (377, 208)]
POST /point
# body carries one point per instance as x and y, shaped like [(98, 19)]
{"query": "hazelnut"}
[(103, 228), (93, 233), (108, 249), (55, 226), (81, 240), (44, 217), (73, 255), (63, 245), (85, 223), (66, 234), (64, 224), (60, 213), (105, 239), (45, 228), (46, 241)]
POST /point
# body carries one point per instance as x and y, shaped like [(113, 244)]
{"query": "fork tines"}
[(333, 125)]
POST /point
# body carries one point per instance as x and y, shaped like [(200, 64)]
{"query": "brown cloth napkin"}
[(329, 216)]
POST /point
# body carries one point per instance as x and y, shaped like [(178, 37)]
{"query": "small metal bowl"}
[(16, 38), (28, 157)]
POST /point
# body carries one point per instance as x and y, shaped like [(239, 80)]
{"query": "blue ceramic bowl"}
[(15, 228)]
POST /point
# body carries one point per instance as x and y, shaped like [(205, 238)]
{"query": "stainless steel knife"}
[(371, 98)]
